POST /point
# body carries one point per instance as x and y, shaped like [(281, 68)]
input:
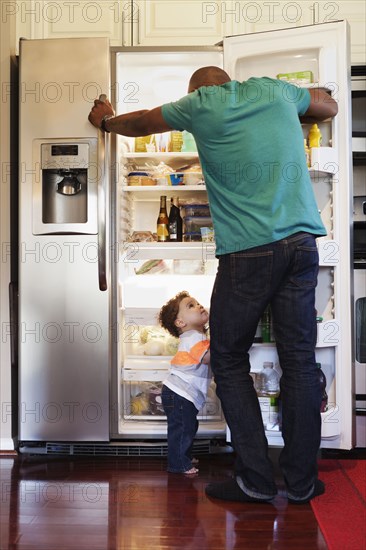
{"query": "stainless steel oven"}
[(358, 83), (359, 244), (360, 353)]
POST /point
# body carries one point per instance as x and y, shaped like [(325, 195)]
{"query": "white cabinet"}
[(62, 19), (250, 17), (181, 22), (355, 13), (124, 22)]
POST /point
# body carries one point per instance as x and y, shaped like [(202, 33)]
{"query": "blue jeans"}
[(182, 428), (284, 275)]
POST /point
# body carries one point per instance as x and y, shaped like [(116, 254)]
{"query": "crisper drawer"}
[(141, 391)]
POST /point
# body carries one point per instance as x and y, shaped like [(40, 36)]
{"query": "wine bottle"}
[(175, 222), (163, 221)]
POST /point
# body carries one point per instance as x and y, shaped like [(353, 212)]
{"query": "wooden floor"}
[(77, 503)]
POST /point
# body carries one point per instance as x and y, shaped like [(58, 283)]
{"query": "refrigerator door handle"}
[(103, 156)]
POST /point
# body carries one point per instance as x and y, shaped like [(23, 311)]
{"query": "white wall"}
[(7, 48)]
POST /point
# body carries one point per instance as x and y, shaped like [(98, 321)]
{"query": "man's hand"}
[(100, 110)]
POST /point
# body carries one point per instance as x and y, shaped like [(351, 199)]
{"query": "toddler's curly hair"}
[(169, 313)]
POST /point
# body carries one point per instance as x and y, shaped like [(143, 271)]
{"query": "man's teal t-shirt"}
[(251, 148)]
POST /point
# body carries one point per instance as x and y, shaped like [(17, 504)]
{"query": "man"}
[(250, 143)]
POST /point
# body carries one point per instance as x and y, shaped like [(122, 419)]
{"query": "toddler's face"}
[(191, 314)]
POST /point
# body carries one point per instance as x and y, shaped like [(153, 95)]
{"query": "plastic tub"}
[(176, 179), (194, 224), (193, 178), (192, 237), (140, 178), (193, 210)]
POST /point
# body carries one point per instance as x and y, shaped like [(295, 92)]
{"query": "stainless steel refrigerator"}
[(86, 302), (64, 293)]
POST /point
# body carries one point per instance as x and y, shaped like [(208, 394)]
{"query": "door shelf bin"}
[(323, 160), (328, 334), (329, 252), (331, 425), (142, 397)]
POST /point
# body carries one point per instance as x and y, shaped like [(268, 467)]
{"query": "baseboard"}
[(7, 446)]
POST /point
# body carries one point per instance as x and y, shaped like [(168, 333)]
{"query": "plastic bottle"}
[(163, 221), (189, 143), (175, 221), (323, 384), (307, 153), (315, 136), (176, 141), (267, 385)]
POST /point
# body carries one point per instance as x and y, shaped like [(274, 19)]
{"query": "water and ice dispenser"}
[(65, 191)]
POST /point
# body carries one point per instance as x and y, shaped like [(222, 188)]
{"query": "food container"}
[(207, 234), (192, 178), (192, 210), (176, 178), (188, 267), (140, 178), (192, 237), (299, 77), (194, 224)]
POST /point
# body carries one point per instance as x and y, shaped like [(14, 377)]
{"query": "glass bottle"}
[(175, 221), (163, 221), (266, 325), (323, 384)]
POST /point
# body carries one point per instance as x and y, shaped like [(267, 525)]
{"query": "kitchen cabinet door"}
[(252, 17), (355, 13), (249, 17), (180, 23), (58, 19)]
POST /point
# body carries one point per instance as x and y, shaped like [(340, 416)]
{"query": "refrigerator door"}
[(323, 51), (64, 343)]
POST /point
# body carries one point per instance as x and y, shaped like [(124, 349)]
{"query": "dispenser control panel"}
[(68, 155)]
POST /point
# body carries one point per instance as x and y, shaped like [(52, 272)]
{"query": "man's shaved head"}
[(208, 76)]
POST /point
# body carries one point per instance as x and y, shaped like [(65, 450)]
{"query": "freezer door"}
[(63, 342), (64, 348), (322, 50)]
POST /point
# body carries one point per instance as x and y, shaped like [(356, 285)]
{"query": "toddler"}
[(185, 389)]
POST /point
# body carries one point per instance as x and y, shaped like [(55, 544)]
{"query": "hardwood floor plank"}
[(103, 503)]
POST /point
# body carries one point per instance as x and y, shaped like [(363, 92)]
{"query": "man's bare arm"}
[(135, 124), (322, 106)]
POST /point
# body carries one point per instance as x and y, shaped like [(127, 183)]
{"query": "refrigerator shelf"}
[(161, 156), (148, 189), (135, 364), (329, 251), (135, 251)]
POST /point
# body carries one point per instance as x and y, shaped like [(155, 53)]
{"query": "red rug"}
[(341, 511)]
